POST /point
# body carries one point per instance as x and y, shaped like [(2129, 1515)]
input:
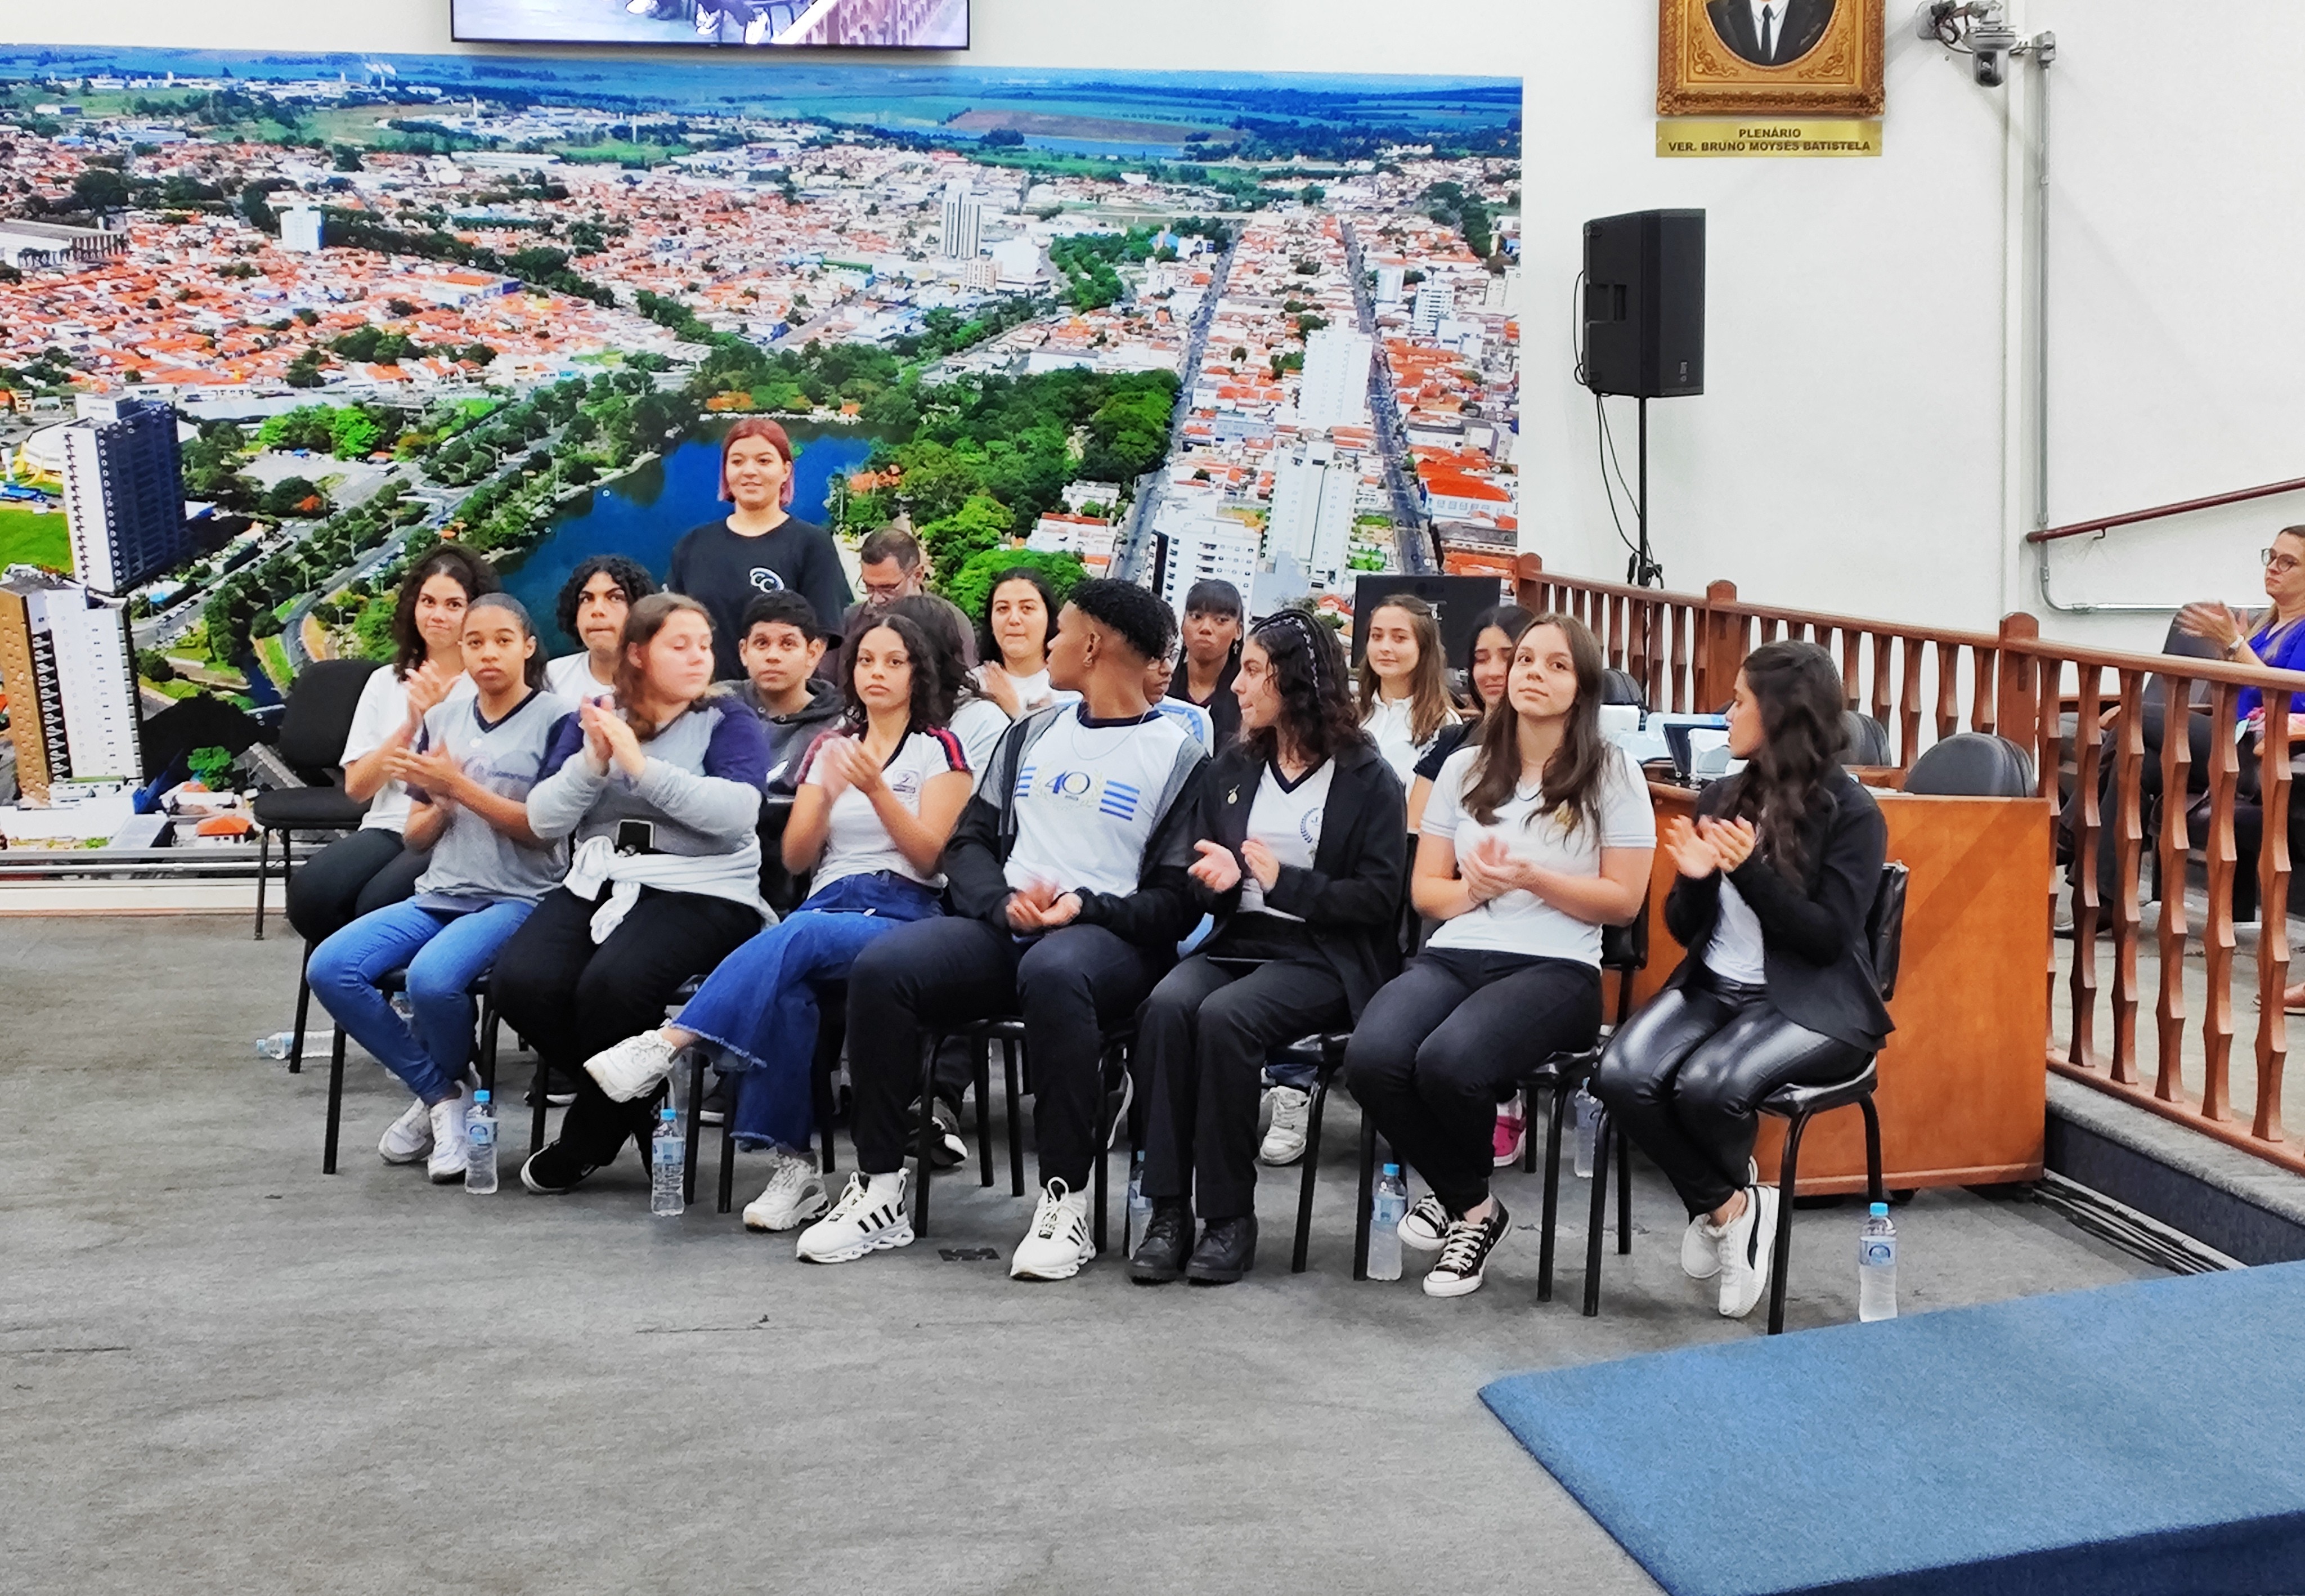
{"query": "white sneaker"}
[(1700, 1249), (1059, 1243), (634, 1067), (1426, 1225), (408, 1138), (1747, 1243), (870, 1216), (756, 30), (448, 1161), (1284, 1139), (794, 1196)]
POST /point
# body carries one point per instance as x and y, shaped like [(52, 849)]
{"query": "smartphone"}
[(636, 837)]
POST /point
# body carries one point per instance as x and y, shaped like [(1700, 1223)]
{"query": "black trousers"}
[(1439, 1047), (1201, 1039), (352, 876), (1068, 985), (571, 997), (1685, 1077)]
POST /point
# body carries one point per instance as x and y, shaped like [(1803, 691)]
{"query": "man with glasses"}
[(890, 566)]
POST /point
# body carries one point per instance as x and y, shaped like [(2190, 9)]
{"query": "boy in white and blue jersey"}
[(1067, 883), (468, 778)]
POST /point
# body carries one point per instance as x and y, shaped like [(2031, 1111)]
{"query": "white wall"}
[(1865, 443)]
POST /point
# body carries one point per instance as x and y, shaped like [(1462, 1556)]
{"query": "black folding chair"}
[(391, 983)]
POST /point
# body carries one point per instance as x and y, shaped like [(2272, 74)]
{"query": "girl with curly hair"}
[(1302, 825)]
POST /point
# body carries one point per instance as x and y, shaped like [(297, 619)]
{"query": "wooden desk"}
[(1963, 1086)]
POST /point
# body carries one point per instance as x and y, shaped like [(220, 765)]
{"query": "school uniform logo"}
[(765, 581), (1084, 789)]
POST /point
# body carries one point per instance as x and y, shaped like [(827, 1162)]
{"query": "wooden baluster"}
[(2176, 771), (1654, 616), (1948, 689), (1613, 642), (1851, 676), (2217, 933), (1881, 698), (2089, 838), (2128, 842), (1678, 620), (2273, 898), (1770, 627), (1908, 706), (1984, 694)]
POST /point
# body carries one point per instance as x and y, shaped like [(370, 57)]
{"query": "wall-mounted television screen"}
[(767, 24)]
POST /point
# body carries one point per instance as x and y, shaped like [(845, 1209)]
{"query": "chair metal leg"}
[(1875, 1191), (694, 1128), (1016, 1121), (303, 1012), (537, 1085), (1781, 1244), (488, 1042), (1624, 1196), (1544, 1245), (1528, 1139), (1305, 1183), (336, 1101), (1099, 1177), (263, 869), (1604, 1133), (924, 1135), (728, 1161), (1366, 1187), (985, 1113)]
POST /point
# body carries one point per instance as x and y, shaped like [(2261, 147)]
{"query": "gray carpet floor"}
[(221, 1371)]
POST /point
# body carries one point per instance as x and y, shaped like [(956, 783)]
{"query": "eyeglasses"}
[(2278, 562)]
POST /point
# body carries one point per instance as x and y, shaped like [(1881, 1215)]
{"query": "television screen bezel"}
[(457, 35)]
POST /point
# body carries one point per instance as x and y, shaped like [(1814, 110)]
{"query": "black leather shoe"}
[(1160, 1257), (1228, 1251)]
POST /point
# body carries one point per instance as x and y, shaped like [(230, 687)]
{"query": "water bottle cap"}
[(667, 1113), (1392, 1169), (481, 1096), (1880, 1210)]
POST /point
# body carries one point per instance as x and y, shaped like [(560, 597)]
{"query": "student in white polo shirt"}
[(468, 770), (1537, 836), (1300, 836), (1068, 889)]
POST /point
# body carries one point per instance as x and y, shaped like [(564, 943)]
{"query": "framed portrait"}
[(1809, 57)]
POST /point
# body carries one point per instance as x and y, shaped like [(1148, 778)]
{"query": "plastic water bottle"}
[(1876, 1267), (668, 1164), (280, 1044), (481, 1145), (1388, 1206), (1140, 1206), (1584, 1114)]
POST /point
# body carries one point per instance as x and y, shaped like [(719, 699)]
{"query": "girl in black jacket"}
[(1776, 880), (1301, 827)]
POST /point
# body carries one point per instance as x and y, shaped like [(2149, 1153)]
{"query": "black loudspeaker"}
[(1456, 600), (1645, 305)]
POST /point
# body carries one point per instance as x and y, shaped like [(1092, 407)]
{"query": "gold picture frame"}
[(1826, 57)]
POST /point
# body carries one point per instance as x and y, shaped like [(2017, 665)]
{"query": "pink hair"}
[(758, 427)]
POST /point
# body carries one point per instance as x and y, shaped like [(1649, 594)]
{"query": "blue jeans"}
[(443, 953), (759, 1007)]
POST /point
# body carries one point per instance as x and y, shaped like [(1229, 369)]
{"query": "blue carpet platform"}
[(2135, 1440)]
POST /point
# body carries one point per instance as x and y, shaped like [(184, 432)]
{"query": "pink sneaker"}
[(1512, 1126)]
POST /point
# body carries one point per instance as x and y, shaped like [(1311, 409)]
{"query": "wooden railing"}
[(2086, 716)]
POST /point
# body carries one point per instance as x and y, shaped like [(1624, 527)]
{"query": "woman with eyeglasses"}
[(2273, 638)]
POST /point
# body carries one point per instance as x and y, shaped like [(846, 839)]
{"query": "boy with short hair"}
[(780, 648)]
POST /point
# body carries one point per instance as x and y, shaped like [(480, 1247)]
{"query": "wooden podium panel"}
[(1964, 1084)]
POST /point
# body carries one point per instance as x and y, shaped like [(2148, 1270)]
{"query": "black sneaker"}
[(1160, 1254), (1465, 1254), (553, 1169), (560, 1088), (946, 1148), (1228, 1251), (714, 1108)]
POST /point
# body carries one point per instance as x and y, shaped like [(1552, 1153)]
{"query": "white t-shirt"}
[(571, 676), (855, 839), (1087, 798), (1286, 820), (1520, 921), (1736, 952), (980, 724), (382, 710), (1389, 726), (1193, 719)]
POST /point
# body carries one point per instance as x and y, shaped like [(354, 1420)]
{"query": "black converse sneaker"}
[(1465, 1253)]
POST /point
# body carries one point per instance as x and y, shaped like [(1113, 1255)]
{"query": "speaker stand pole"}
[(1646, 571)]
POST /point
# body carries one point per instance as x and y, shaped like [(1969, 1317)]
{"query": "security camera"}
[(1992, 41)]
